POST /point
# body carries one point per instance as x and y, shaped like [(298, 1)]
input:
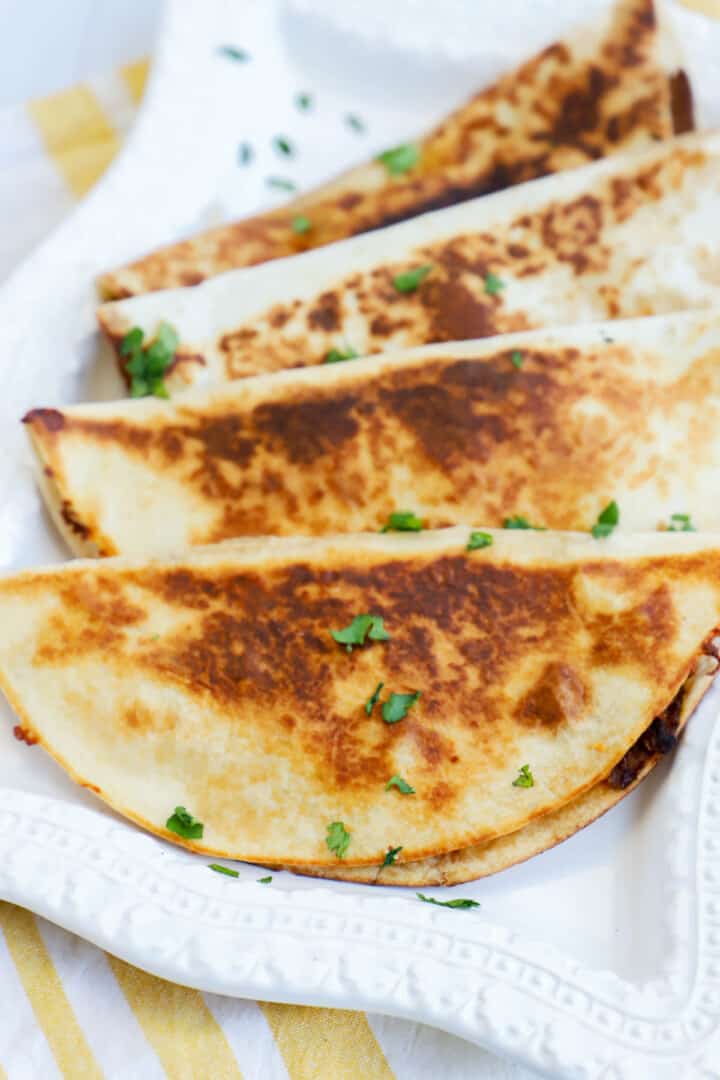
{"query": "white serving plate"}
[(599, 959)]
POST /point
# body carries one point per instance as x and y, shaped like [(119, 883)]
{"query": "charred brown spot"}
[(682, 103), (73, 521), (25, 734), (50, 419), (325, 315), (558, 698), (307, 429)]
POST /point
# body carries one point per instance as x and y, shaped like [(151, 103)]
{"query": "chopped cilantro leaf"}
[(361, 628), (411, 279), (397, 706), (147, 366), (681, 523), (241, 56), (400, 159), (478, 540), (373, 699), (223, 870), (391, 855), (338, 839), (245, 153), (301, 224), (606, 522), (265, 880), (283, 145), (459, 903), (517, 359), (518, 522), (493, 284), (131, 342), (336, 356), (280, 183), (304, 101), (524, 778), (400, 784), (403, 521), (354, 122), (184, 824)]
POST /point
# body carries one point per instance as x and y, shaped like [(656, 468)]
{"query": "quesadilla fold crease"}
[(626, 237), (602, 89), (551, 425), (213, 681)]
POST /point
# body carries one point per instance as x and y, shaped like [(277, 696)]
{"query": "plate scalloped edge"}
[(111, 884)]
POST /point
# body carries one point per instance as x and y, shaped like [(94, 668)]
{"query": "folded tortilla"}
[(626, 237), (212, 682), (547, 425), (602, 89), (551, 829)]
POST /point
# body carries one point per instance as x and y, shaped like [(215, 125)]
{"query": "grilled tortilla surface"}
[(482, 860), (625, 237), (548, 425), (212, 681), (603, 89)]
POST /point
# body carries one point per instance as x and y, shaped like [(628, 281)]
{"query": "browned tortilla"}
[(601, 90), (212, 681)]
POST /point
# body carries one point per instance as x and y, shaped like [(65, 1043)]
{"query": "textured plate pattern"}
[(496, 976)]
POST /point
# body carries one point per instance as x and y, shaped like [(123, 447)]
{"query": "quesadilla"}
[(260, 700), (551, 829), (625, 237), (603, 89), (549, 425)]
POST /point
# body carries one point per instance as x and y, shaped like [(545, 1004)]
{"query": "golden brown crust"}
[(217, 676), (572, 103), (554, 827), (458, 434), (570, 249)]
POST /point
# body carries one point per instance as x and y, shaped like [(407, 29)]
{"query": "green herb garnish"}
[(240, 56), (373, 699), (400, 784), (478, 540), (400, 159), (409, 281), (448, 903), (245, 153), (493, 284), (223, 869), (681, 523), (338, 839), (147, 366), (606, 522), (265, 880), (403, 521), (354, 122), (301, 224), (397, 706), (362, 628), (184, 824), (336, 356), (517, 359), (524, 778), (519, 522), (304, 101), (283, 145), (280, 183), (391, 855)]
